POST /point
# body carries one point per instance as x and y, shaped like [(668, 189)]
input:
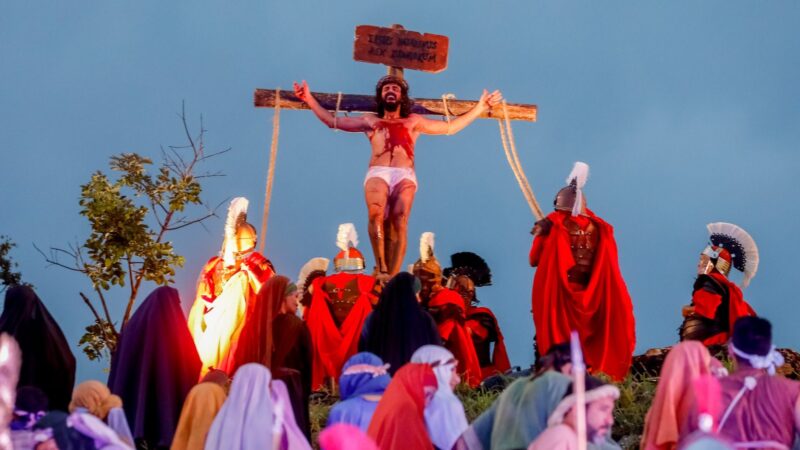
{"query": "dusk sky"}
[(687, 112)]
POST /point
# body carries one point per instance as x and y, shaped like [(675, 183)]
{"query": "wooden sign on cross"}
[(397, 48)]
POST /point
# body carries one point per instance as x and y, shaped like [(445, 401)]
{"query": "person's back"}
[(767, 413), (761, 409)]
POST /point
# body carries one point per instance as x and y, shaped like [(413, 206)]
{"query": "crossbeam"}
[(265, 98)]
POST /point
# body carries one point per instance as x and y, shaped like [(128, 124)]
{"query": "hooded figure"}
[(344, 436), (45, 351), (246, 419), (667, 419), (154, 367), (399, 325), (444, 415), (278, 339), (399, 420), (201, 407), (363, 381), (96, 399)]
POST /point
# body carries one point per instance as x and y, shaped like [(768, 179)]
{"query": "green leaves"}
[(130, 210), (8, 275), (99, 341)]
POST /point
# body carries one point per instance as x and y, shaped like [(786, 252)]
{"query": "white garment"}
[(392, 176), (245, 420), (444, 415)]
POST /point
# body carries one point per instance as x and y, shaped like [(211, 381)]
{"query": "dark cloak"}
[(154, 367), (66, 437), (47, 361), (281, 342), (398, 326)]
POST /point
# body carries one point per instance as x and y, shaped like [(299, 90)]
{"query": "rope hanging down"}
[(510, 149), (273, 153)]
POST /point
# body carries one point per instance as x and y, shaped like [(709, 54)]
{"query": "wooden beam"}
[(265, 98)]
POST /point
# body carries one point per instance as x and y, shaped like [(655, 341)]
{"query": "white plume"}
[(748, 246), (347, 236), (313, 265), (426, 243), (580, 173), (237, 208)]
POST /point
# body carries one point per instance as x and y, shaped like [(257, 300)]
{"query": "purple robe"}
[(154, 367), (764, 414)]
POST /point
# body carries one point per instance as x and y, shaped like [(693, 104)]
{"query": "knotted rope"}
[(510, 148), (445, 98), (273, 154)]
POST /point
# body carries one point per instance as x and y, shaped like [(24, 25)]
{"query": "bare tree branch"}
[(89, 304)]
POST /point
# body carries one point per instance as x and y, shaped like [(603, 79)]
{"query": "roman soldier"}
[(227, 284), (448, 310), (467, 272), (578, 284), (716, 301), (313, 269), (340, 304)]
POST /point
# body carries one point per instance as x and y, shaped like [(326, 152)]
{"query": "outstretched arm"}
[(352, 124), (487, 100)]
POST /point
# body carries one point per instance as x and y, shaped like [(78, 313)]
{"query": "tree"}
[(8, 274), (130, 216)]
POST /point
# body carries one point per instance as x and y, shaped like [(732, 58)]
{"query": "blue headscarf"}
[(367, 375)]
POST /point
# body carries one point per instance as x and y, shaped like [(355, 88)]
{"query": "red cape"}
[(706, 304), (602, 313), (499, 355), (398, 422), (333, 346), (456, 336)]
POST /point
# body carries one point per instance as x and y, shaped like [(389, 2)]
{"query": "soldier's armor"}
[(699, 328), (583, 243), (341, 299)]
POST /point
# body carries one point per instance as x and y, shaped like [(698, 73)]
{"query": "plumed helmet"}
[(427, 261), (470, 265), (732, 246), (349, 259), (570, 197)]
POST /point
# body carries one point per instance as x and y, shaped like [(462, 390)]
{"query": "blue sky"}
[(687, 113)]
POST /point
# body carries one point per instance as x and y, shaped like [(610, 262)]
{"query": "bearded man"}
[(227, 284), (448, 309), (390, 184), (578, 284), (562, 430), (340, 304)]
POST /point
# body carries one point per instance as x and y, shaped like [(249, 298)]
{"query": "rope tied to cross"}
[(510, 149), (273, 154)]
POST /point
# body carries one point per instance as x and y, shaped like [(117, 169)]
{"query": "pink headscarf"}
[(343, 436), (668, 417)]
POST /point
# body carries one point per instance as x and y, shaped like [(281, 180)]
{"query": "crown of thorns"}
[(391, 79)]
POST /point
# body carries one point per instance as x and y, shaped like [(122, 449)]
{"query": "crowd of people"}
[(240, 371)]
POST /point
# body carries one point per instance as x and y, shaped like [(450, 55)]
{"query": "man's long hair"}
[(405, 101)]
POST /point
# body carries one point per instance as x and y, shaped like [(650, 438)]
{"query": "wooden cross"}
[(396, 48)]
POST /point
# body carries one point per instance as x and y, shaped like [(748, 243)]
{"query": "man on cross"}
[(390, 184)]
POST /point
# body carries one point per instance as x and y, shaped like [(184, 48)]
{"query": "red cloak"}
[(602, 314), (706, 304), (456, 335), (333, 345), (500, 362), (399, 419)]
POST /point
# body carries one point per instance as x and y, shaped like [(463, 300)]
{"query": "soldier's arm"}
[(430, 126), (351, 124)]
